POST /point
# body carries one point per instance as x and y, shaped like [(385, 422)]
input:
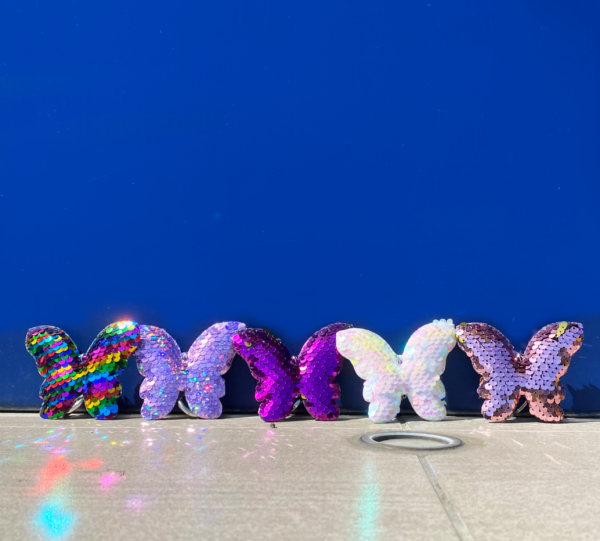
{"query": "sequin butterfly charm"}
[(197, 373), (506, 375), (283, 379), (71, 377), (414, 374)]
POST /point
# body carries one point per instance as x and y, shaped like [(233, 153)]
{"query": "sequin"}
[(197, 373), (68, 374), (283, 379), (506, 375), (414, 374)]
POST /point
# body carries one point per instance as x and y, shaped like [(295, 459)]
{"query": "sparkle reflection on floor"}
[(239, 478)]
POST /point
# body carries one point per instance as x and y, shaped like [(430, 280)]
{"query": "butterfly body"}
[(68, 374), (414, 374), (507, 375), (197, 373), (282, 379)]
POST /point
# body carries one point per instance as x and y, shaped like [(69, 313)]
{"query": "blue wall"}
[(293, 164)]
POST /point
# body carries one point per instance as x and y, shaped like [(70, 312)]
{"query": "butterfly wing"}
[(104, 361), (375, 362), (319, 364), (208, 359), (271, 364), (547, 357), (160, 361), (423, 362), (58, 361), (500, 366)]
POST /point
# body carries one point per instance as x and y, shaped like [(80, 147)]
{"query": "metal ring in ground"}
[(378, 439)]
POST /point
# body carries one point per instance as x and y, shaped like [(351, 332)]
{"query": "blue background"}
[(293, 164)]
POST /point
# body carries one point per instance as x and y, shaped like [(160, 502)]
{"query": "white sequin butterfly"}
[(390, 377)]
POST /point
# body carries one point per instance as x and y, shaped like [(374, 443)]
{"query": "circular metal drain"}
[(411, 441)]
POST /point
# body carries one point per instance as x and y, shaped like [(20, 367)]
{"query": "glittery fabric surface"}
[(319, 364), (506, 375), (69, 374), (160, 361), (198, 373), (208, 359), (282, 379), (389, 377)]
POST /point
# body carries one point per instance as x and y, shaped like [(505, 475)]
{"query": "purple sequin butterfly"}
[(506, 375), (167, 371), (283, 379)]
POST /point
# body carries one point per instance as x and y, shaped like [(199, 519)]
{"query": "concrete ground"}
[(239, 478)]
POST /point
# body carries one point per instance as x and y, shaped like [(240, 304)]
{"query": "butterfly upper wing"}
[(423, 362), (319, 364), (270, 363), (209, 357), (160, 361), (500, 366), (58, 361), (104, 361), (375, 362), (547, 358)]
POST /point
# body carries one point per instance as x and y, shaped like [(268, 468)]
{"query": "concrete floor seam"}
[(456, 520)]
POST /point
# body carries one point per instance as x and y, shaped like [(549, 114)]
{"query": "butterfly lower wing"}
[(547, 357), (375, 362), (160, 361), (58, 361), (105, 360), (270, 363), (208, 359), (319, 364), (500, 367), (423, 362)]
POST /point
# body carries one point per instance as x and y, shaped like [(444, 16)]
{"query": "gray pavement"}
[(239, 478)]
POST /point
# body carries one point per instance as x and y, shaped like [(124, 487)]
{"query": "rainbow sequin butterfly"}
[(71, 377), (197, 373), (390, 377), (284, 380), (506, 375)]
